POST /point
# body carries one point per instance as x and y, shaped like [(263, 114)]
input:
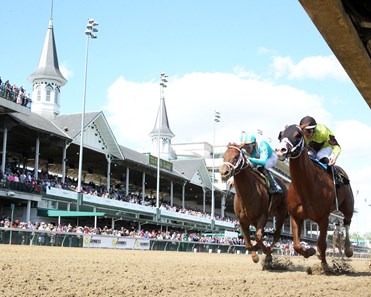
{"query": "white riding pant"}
[(322, 153), (271, 161)]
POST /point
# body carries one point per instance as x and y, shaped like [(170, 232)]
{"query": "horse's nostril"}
[(224, 173)]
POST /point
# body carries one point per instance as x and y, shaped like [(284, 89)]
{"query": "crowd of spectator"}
[(18, 176), (21, 179), (174, 235), (14, 93)]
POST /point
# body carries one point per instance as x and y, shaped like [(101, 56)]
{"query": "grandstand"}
[(43, 145)]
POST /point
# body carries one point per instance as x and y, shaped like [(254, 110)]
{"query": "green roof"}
[(66, 213)]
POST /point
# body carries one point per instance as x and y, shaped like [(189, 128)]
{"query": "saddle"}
[(272, 188), (339, 177)]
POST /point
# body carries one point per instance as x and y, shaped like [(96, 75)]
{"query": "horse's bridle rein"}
[(242, 162), (294, 150)]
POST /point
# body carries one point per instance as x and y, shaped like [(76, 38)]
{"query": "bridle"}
[(241, 164), (294, 151)]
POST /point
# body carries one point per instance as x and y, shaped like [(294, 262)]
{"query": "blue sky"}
[(261, 64)]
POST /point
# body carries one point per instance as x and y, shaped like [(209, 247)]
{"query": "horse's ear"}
[(280, 135), (302, 127), (286, 126)]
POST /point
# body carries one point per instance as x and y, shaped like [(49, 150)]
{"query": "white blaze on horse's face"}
[(282, 150)]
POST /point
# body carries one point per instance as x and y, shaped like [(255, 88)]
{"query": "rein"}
[(241, 163)]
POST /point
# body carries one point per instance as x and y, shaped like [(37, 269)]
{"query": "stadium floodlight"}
[(90, 28)]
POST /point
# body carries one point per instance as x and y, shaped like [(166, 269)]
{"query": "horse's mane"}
[(233, 144)]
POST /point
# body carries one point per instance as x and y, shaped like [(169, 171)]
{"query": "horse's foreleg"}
[(259, 239), (296, 225), (347, 246), (246, 236), (277, 233), (321, 243)]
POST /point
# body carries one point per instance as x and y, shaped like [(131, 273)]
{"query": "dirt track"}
[(50, 271)]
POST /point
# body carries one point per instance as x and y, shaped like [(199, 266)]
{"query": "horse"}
[(338, 240), (312, 193), (253, 204)]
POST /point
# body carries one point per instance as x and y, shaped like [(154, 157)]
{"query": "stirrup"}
[(274, 190)]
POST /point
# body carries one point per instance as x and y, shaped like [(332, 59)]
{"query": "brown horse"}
[(252, 203), (312, 193), (338, 240)]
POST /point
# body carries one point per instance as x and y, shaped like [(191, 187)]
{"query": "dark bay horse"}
[(338, 240), (252, 200), (312, 193)]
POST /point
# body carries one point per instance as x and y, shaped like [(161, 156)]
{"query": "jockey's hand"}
[(331, 161), (230, 182)]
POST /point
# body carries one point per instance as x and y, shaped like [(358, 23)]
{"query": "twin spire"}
[(48, 67), (47, 80)]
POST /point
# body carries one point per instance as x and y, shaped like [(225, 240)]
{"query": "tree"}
[(367, 235)]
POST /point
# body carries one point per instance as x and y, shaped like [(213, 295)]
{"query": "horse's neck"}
[(301, 168), (245, 178)]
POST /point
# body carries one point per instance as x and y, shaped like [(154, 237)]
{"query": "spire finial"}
[(51, 11)]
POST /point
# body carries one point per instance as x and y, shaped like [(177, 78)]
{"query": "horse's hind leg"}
[(280, 219), (348, 250), (347, 208)]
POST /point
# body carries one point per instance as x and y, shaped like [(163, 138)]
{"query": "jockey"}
[(321, 141), (261, 156)]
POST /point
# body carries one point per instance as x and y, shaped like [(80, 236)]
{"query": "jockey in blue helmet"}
[(261, 155)]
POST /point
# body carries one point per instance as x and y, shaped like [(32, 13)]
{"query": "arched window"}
[(56, 96), (48, 92), (38, 94)]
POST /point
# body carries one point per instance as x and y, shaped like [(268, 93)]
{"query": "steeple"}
[(161, 130), (47, 79)]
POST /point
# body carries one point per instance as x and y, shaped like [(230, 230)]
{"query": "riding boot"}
[(324, 160), (333, 171), (272, 185)]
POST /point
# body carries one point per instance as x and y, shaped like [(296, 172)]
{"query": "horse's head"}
[(234, 160), (291, 142)]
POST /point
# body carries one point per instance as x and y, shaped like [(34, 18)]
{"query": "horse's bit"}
[(242, 162), (298, 147)]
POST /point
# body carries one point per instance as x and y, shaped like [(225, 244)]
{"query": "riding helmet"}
[(248, 138), (309, 121)]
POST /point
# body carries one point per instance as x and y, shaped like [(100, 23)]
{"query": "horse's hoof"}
[(268, 259), (325, 266), (310, 252), (349, 252), (255, 258)]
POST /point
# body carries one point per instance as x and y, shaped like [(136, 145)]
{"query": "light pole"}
[(216, 120), (90, 33), (163, 81)]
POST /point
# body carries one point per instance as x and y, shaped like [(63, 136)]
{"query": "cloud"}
[(245, 103), (263, 50), (243, 73), (316, 67), (67, 73), (350, 134)]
